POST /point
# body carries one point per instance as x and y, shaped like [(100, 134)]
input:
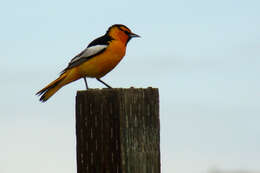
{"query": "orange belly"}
[(103, 63)]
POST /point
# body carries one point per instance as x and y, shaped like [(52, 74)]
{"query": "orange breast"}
[(103, 63)]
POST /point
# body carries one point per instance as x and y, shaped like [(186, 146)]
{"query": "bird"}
[(95, 61)]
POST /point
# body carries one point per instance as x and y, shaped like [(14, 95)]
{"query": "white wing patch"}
[(89, 51), (93, 50)]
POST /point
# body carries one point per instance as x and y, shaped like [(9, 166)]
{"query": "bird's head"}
[(121, 32)]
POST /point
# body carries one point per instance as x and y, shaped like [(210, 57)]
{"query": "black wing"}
[(96, 47)]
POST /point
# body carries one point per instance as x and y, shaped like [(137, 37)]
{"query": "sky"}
[(204, 56)]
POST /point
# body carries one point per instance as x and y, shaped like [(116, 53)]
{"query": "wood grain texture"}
[(118, 131)]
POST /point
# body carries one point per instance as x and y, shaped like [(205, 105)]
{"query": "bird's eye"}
[(127, 33)]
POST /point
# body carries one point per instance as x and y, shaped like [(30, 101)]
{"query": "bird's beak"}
[(133, 35)]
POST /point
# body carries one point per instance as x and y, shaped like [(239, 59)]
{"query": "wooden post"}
[(118, 131)]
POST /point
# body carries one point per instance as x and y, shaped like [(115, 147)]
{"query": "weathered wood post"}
[(118, 131)]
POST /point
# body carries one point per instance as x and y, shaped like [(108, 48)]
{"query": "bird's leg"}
[(85, 80), (103, 83)]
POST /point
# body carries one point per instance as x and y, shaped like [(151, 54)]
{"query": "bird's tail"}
[(53, 87)]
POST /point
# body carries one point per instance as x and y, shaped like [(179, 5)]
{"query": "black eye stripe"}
[(127, 32)]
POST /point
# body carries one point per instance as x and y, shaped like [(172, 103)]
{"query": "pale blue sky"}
[(204, 56)]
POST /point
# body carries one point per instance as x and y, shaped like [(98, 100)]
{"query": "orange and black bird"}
[(95, 61)]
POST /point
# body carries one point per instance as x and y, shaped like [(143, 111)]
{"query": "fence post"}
[(118, 131)]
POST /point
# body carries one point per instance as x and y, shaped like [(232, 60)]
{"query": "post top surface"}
[(131, 89)]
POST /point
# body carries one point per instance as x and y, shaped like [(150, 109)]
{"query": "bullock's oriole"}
[(99, 58)]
